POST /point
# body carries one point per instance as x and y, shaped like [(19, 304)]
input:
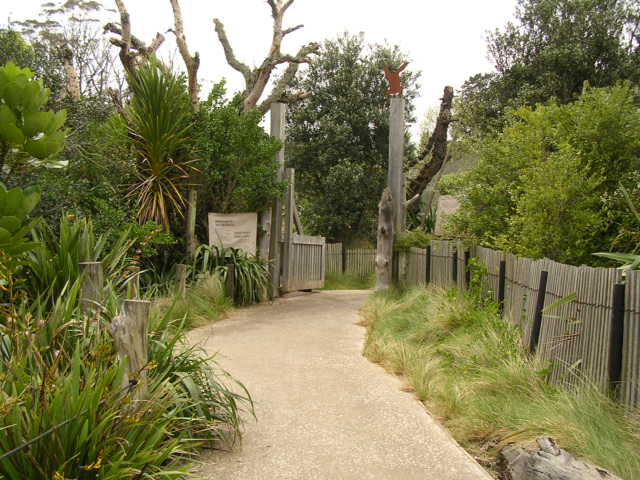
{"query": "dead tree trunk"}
[(384, 252), (437, 145), (256, 79), (73, 80), (192, 64)]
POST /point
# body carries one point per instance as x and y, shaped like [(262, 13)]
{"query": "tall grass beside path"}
[(466, 364)]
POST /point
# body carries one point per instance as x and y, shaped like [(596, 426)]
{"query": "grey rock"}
[(548, 462)]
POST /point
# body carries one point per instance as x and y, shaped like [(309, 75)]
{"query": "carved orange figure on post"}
[(393, 77)]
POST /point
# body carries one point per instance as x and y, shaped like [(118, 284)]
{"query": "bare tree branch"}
[(256, 79), (130, 47), (228, 52), (192, 63)]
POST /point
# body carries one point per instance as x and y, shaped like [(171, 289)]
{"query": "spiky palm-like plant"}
[(159, 119)]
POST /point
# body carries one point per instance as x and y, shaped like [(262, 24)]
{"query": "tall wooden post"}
[(92, 286), (287, 244), (278, 114), (396, 161), (384, 252), (192, 242)]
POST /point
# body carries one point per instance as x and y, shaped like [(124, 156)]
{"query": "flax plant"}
[(159, 120)]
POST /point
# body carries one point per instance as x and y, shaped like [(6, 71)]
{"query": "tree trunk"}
[(437, 144), (384, 252)]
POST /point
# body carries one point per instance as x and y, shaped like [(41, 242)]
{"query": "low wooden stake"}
[(92, 286), (181, 280), (129, 330)]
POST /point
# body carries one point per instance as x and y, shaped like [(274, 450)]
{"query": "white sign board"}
[(236, 230)]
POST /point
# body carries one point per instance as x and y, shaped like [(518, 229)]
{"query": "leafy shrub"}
[(412, 238), (251, 272), (539, 186), (237, 156), (25, 130)]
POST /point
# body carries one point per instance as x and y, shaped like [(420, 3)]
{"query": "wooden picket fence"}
[(575, 336), (356, 261)]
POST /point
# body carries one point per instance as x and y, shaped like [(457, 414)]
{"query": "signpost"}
[(235, 230)]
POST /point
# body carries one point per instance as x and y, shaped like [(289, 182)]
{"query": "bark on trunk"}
[(384, 252), (257, 79), (437, 144)]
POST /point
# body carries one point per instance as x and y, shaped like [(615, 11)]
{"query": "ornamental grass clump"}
[(468, 366)]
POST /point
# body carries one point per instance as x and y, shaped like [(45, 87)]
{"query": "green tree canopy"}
[(338, 135), (552, 49), (236, 156), (548, 184)]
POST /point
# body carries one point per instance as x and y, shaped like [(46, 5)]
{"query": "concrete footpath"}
[(323, 410)]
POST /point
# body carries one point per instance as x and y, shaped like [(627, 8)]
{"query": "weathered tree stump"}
[(384, 252), (129, 330), (548, 462)]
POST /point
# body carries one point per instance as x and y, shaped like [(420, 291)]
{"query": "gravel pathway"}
[(323, 410)]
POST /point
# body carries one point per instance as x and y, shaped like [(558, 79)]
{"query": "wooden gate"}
[(304, 263), (303, 256)]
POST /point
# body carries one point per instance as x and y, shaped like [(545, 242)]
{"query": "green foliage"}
[(23, 124), (551, 50), (159, 120), (539, 186), (15, 206), (251, 273), (62, 380), (56, 265), (338, 136), (467, 365), (237, 157), (412, 239)]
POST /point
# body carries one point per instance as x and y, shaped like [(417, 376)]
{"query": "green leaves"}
[(15, 206), (159, 119), (23, 126)]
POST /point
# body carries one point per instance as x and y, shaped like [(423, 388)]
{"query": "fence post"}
[(502, 278), (230, 283), (616, 337), (467, 272), (181, 279), (455, 267), (92, 286), (428, 266), (129, 330), (343, 259), (537, 316)]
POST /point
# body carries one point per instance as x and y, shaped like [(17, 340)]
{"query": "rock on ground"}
[(548, 462)]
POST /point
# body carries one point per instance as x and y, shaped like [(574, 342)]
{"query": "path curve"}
[(323, 410)]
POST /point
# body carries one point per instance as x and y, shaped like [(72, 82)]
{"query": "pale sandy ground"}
[(323, 411)]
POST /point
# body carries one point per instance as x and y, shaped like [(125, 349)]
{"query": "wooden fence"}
[(575, 336), (356, 261)]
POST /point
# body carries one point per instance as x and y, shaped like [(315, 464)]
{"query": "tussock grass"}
[(346, 281), (467, 365), (205, 302)]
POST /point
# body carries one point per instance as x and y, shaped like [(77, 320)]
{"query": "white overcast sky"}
[(444, 39)]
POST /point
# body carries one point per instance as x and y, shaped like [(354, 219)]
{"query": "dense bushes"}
[(545, 186)]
